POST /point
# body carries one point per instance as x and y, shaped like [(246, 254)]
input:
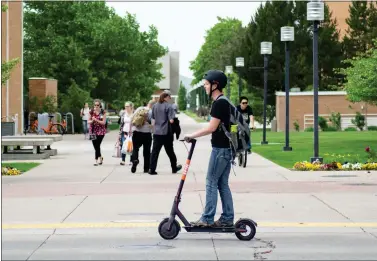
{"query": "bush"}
[(335, 119), (372, 128), (296, 125), (350, 129), (309, 129), (322, 122), (359, 121), (331, 128)]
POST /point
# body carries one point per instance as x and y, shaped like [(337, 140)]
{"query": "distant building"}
[(170, 71)]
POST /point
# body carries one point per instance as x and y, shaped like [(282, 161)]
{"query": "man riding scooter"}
[(221, 155)]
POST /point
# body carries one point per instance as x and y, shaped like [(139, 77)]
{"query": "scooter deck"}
[(213, 229)]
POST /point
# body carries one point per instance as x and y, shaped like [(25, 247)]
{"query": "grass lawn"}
[(22, 166), (194, 116), (340, 146), (114, 126)]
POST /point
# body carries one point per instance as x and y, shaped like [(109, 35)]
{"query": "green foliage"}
[(322, 122), (87, 44), (221, 46), (362, 28), (4, 8), (362, 77), (350, 129), (335, 119), (309, 129), (72, 101), (372, 128), (6, 69), (359, 121), (48, 104), (296, 125), (182, 99)]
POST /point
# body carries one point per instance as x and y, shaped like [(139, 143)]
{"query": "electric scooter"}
[(169, 227)]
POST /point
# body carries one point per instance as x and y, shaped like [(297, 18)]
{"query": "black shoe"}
[(134, 165), (219, 223), (150, 172), (178, 168)]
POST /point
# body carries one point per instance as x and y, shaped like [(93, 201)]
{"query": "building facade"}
[(12, 47), (301, 106), (170, 72)]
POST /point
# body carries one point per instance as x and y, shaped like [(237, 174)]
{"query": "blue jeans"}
[(217, 179), (85, 126)]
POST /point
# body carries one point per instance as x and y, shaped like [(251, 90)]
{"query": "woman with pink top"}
[(97, 121)]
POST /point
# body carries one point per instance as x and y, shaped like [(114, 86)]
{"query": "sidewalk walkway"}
[(68, 192)]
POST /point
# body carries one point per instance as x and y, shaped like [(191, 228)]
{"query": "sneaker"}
[(200, 223), (134, 165), (220, 223), (176, 169), (150, 172)]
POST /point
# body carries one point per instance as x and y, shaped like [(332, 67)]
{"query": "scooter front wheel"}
[(165, 233), (249, 226)]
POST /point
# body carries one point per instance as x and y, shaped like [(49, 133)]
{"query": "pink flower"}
[(367, 149)]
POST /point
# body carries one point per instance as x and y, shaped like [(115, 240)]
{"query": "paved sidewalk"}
[(69, 209)]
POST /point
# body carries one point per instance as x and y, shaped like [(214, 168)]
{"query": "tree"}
[(362, 77), (265, 26), (7, 66), (220, 47), (182, 99), (87, 44), (362, 24)]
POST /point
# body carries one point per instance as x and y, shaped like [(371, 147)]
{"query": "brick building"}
[(12, 47), (301, 109)]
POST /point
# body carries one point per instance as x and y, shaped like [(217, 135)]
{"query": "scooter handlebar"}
[(188, 140)]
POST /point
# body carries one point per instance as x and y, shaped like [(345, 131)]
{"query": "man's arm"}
[(251, 116)]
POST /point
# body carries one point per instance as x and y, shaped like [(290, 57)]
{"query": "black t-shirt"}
[(221, 110), (245, 113)]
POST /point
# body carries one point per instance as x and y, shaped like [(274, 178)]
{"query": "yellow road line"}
[(155, 224)]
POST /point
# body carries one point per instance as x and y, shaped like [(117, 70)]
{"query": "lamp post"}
[(265, 50), (315, 12), (228, 71), (240, 62), (287, 34)]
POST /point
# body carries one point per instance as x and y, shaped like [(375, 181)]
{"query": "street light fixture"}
[(287, 34), (240, 62), (228, 71), (265, 50), (316, 13)]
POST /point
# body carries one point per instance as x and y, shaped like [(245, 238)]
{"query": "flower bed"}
[(335, 162), (10, 171), (334, 166)]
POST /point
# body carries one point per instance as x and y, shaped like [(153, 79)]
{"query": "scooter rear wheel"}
[(250, 228), (167, 234)]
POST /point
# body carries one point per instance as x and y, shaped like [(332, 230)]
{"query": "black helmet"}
[(216, 77)]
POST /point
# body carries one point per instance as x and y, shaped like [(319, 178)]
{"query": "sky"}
[(182, 26)]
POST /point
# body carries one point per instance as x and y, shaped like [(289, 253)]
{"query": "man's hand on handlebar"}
[(187, 138)]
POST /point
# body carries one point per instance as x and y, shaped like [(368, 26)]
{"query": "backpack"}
[(140, 117), (239, 134)]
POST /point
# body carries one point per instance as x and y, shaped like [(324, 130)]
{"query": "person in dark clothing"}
[(247, 114), (162, 118), (142, 136), (221, 156)]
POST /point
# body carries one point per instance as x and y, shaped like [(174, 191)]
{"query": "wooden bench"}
[(18, 142)]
